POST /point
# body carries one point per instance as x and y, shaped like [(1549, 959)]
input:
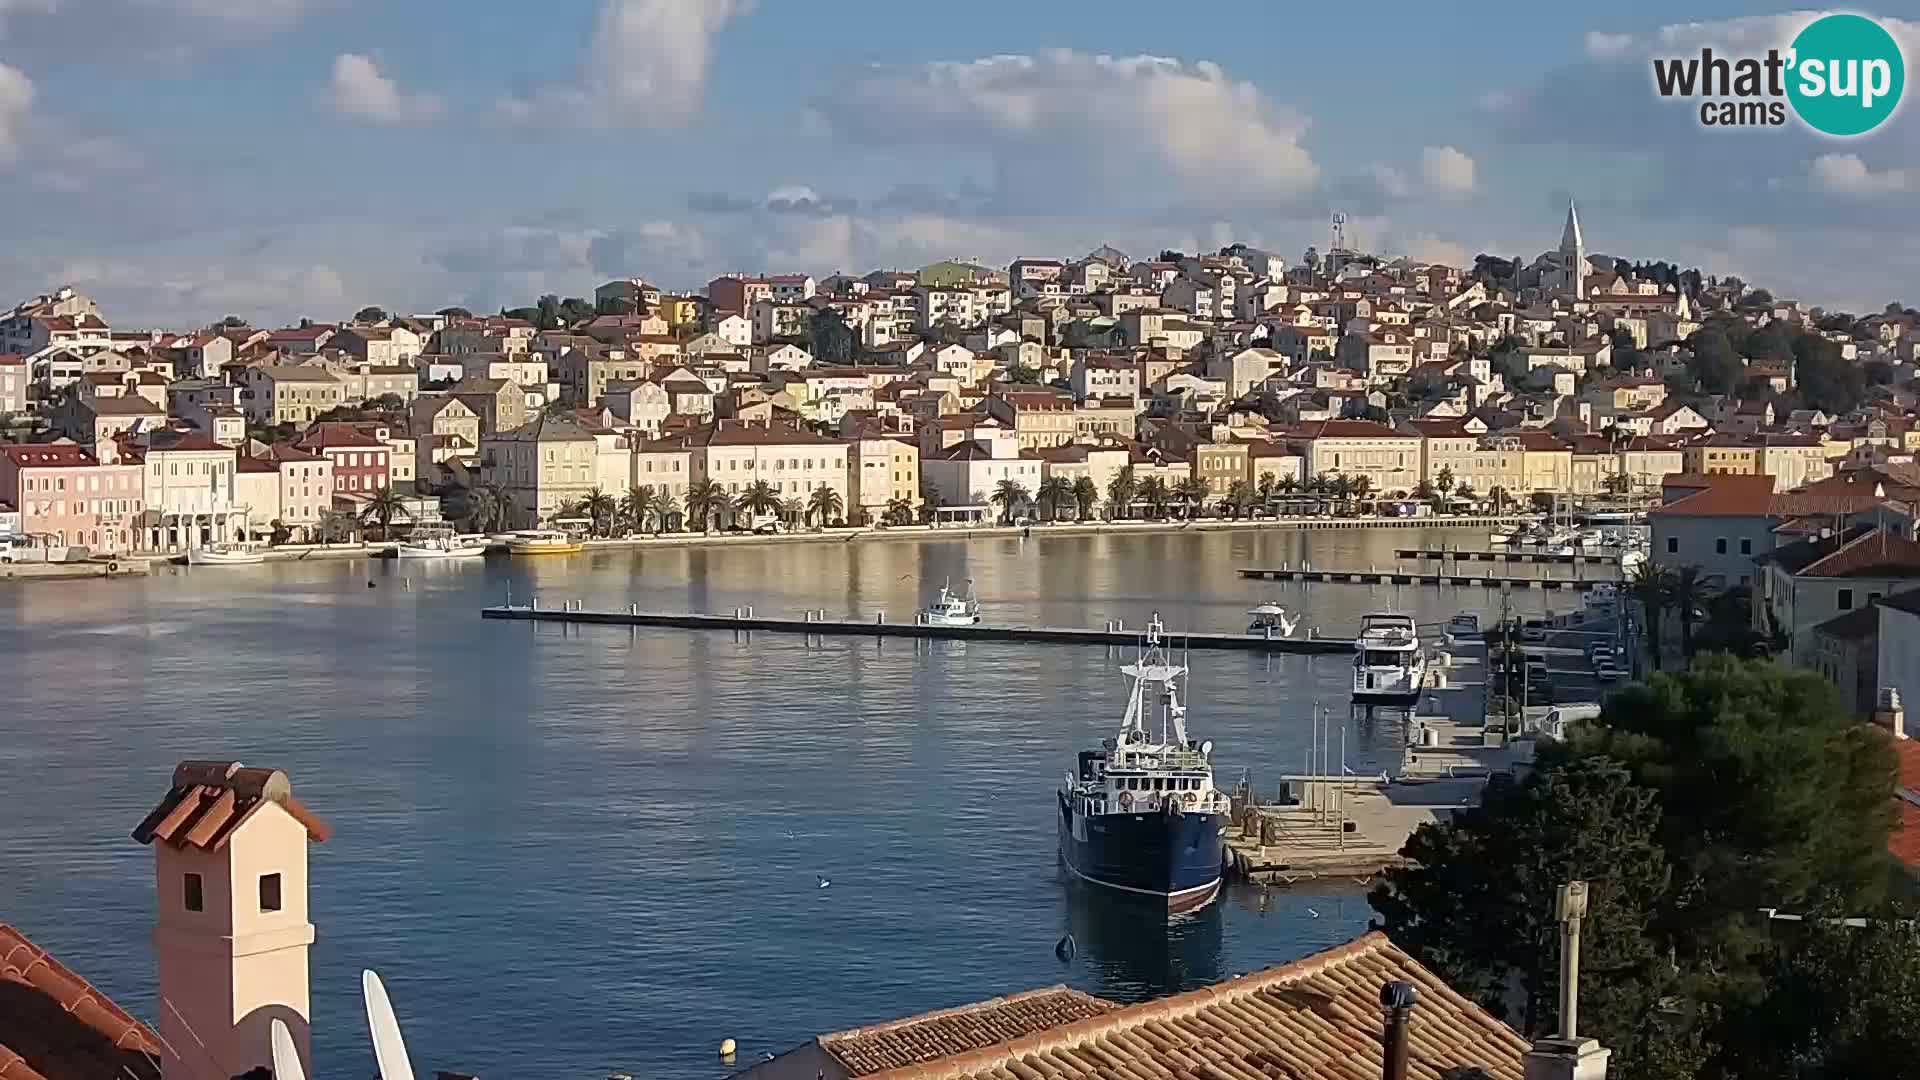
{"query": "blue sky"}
[(183, 159)]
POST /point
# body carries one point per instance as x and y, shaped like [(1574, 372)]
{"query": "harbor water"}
[(574, 851)]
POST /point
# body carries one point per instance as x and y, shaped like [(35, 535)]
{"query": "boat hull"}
[(933, 619), (220, 558), (465, 551), (546, 549), (1172, 861)]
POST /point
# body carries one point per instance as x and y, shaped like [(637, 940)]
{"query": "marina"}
[(1508, 556), (1393, 577)]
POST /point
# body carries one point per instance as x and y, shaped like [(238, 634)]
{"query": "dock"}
[(89, 568), (816, 624), (1534, 557), (1392, 577)]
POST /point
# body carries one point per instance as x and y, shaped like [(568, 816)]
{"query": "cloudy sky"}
[(186, 159)]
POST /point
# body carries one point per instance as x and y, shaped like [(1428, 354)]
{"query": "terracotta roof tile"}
[(935, 1035), (210, 799), (1310, 1018), (55, 1025)]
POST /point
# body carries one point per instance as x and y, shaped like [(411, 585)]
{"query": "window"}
[(1846, 599), (1746, 547), (1673, 545), (269, 892), (1720, 546), (194, 899)]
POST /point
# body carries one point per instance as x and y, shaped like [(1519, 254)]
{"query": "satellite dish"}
[(286, 1056), (388, 1049), (1206, 748)]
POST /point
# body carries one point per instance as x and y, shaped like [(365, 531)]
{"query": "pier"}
[(816, 624), (1392, 577), (1535, 557)]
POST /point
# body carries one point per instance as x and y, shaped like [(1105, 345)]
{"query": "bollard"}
[(536, 603), (633, 609), (879, 617)]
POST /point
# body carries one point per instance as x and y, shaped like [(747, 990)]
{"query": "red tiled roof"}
[(49, 455), (210, 799), (1316, 1017), (1876, 552), (935, 1035), (55, 1026), (1723, 495)]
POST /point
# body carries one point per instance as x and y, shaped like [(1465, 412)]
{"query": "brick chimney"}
[(1888, 713), (230, 875)]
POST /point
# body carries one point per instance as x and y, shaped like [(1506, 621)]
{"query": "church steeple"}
[(1573, 253)]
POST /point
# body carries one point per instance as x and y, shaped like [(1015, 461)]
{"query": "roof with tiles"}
[(1319, 1017), (1903, 843), (211, 799), (1863, 551), (948, 1032), (55, 1026), (1719, 495)]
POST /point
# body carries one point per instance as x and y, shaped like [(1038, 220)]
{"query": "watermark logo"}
[(1843, 76)]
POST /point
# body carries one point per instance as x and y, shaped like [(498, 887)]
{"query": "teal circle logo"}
[(1846, 75)]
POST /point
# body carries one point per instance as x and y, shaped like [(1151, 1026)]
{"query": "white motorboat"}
[(439, 542), (237, 553), (1272, 620), (952, 609), (1388, 665)]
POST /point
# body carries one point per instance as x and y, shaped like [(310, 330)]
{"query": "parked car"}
[(1605, 671), (1533, 633)]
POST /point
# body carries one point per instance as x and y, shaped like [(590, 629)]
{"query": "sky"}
[(182, 160)]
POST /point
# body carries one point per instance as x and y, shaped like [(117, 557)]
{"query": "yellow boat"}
[(543, 542)]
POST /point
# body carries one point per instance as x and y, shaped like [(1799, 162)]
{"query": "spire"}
[(1570, 239), (1573, 254)]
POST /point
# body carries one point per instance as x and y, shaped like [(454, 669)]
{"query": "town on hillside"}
[(1099, 387)]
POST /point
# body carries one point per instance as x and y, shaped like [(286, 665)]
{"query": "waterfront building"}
[(67, 496), (289, 395), (192, 497), (1038, 418), (964, 475), (360, 459), (1389, 459), (545, 464), (880, 469), (735, 454), (96, 423)]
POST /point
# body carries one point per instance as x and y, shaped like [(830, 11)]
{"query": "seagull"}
[(823, 881), (789, 834), (1313, 913)]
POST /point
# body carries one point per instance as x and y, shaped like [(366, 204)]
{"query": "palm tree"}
[(1263, 491), (637, 507), (1361, 487), (382, 507), (1239, 498), (699, 501), (1054, 492), (1443, 482), (1650, 586), (760, 497), (1465, 490), (1687, 591), (337, 526), (1009, 495), (480, 512), (1341, 489), (898, 512), (1499, 497), (600, 508), (1156, 493), (793, 512), (1121, 491), (825, 505), (1423, 491), (1191, 492), (1086, 494)]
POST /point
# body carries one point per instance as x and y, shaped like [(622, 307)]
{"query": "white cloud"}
[(1447, 170), (1605, 46), (16, 101), (1847, 174), (646, 66), (1067, 122), (1391, 181), (359, 89)]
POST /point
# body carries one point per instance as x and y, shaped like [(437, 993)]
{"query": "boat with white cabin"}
[(1464, 625), (1141, 816), (952, 609), (1389, 667), (543, 542), (234, 553), (439, 542), (1272, 621)]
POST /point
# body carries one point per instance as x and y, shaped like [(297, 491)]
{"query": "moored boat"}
[(952, 609), (439, 542), (1388, 666), (543, 542), (236, 553), (1272, 620), (1141, 816)]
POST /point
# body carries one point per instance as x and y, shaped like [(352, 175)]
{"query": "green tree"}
[(1121, 491), (382, 507), (1839, 1004), (1009, 495), (1687, 591), (1651, 589), (636, 507), (1239, 499), (370, 314), (1465, 490), (1542, 502), (1443, 482), (337, 526), (898, 512), (601, 509), (825, 506), (1157, 495), (1499, 497), (1054, 492), (1190, 492), (1712, 360), (454, 313), (1086, 495), (760, 498), (1476, 901), (701, 501)]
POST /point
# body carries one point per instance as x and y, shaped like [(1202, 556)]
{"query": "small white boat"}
[(439, 542), (543, 542), (1504, 537), (1388, 666), (952, 609), (238, 553), (1272, 620)]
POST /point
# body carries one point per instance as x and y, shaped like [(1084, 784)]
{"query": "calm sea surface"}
[(573, 851)]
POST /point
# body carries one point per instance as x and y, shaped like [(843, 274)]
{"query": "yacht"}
[(543, 542), (1272, 620), (439, 542), (1388, 666), (237, 553), (952, 609), (1142, 817)]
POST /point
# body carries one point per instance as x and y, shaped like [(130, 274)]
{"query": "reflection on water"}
[(1131, 950)]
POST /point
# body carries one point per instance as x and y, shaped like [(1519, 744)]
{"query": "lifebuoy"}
[(113, 568), (1189, 798), (1126, 799)]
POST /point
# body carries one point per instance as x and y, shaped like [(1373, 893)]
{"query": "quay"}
[(1388, 577), (56, 571), (816, 624), (1536, 557)]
